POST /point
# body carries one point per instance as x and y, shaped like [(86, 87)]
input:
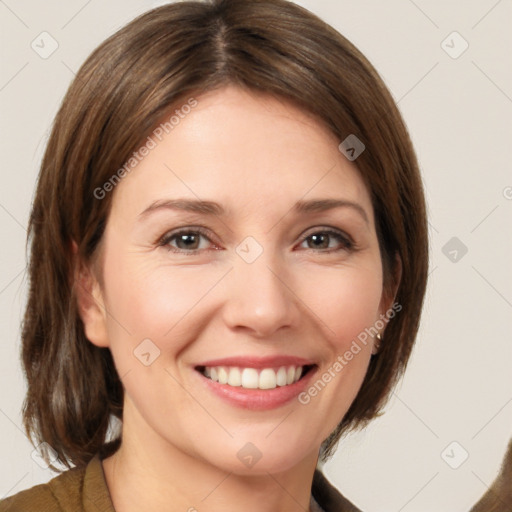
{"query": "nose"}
[(259, 297)]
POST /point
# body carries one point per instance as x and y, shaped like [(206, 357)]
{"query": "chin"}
[(261, 456)]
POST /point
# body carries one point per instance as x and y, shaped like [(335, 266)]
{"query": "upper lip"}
[(258, 362)]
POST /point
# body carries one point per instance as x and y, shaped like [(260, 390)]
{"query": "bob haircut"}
[(121, 92)]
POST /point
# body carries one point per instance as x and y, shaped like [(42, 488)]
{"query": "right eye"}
[(187, 240)]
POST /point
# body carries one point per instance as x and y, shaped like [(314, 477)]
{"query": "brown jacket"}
[(499, 496), (85, 490)]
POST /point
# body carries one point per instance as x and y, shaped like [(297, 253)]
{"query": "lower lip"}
[(257, 399)]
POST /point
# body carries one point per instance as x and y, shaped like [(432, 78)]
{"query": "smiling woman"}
[(248, 286)]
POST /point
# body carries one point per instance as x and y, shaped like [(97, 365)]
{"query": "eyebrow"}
[(212, 208)]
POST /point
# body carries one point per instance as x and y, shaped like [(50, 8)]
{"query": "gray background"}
[(458, 387)]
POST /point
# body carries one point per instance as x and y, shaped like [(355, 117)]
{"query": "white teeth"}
[(290, 375), (281, 376), (268, 379), (223, 375), (251, 378), (235, 377)]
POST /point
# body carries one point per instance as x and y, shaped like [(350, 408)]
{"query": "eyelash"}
[(346, 241)]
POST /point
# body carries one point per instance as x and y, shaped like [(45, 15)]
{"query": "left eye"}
[(322, 239)]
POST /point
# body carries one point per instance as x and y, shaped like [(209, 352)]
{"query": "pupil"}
[(188, 240), (319, 238)]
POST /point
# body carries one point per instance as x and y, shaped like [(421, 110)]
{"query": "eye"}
[(187, 240), (322, 240)]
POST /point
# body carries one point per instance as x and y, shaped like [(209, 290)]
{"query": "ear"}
[(388, 299), (89, 298), (389, 294)]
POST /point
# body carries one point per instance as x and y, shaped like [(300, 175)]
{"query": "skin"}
[(255, 155)]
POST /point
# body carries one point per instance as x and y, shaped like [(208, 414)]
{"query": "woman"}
[(228, 254)]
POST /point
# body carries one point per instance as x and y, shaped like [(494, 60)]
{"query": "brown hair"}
[(120, 93)]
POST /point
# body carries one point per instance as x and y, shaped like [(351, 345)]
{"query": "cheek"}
[(156, 303), (347, 304), (161, 304), (153, 300), (346, 300)]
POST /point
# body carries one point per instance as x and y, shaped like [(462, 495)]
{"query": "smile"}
[(253, 378)]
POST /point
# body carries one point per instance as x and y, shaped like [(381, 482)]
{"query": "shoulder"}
[(61, 494), (328, 497), (499, 496)]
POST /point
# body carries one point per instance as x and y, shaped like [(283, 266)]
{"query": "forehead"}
[(243, 149)]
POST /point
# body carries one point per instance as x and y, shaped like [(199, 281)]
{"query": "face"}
[(279, 270)]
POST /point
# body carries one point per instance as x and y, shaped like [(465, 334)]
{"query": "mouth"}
[(256, 378)]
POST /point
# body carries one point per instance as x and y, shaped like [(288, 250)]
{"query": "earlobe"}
[(376, 344), (89, 300)]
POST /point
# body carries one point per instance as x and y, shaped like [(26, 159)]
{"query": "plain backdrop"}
[(456, 398)]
